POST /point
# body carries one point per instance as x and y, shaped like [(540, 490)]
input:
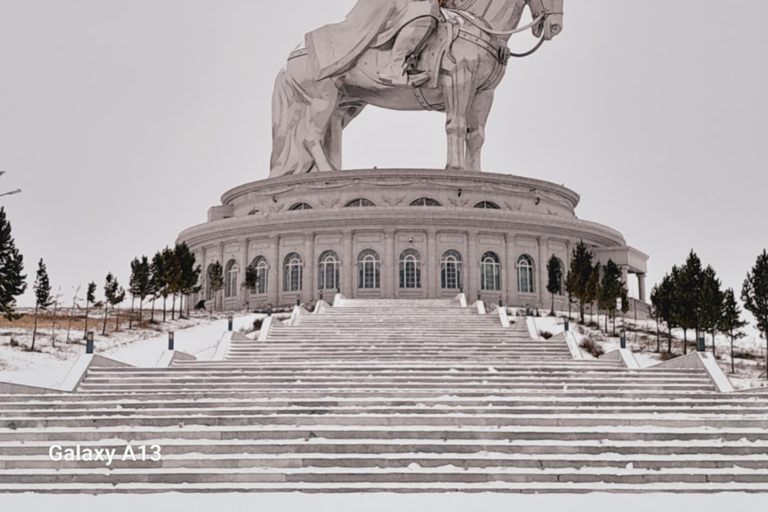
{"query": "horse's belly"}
[(395, 98)]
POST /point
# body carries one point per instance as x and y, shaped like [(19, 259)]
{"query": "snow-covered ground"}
[(198, 335), (642, 339), (383, 502)]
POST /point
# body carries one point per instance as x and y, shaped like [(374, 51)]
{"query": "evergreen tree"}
[(754, 294), (687, 297), (159, 285), (111, 291), (578, 276), (115, 302), (141, 282), (611, 290), (190, 274), (592, 290), (90, 298), (554, 279), (172, 278), (662, 298), (731, 322), (216, 280), (12, 279), (710, 305), (43, 299), (252, 281)]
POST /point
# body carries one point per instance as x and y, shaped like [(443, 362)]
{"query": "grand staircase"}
[(403, 396)]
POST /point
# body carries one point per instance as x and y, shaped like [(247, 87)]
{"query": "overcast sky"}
[(124, 121)]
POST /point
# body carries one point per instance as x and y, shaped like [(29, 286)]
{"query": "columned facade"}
[(399, 234)]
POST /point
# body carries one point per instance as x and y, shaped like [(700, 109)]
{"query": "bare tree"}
[(72, 311)]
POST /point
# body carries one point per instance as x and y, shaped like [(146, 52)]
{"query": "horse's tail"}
[(290, 115)]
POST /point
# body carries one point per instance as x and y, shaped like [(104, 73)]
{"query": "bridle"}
[(539, 19)]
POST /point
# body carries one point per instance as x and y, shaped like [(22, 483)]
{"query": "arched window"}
[(262, 273), (410, 270), (425, 201), (300, 207), (525, 272), (369, 270), (451, 270), (487, 205), (359, 203), (328, 271), (231, 276), (490, 272), (293, 273)]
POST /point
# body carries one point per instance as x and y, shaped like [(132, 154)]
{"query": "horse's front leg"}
[(458, 89), (322, 109), (477, 119)]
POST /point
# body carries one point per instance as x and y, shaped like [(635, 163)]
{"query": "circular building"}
[(398, 233)]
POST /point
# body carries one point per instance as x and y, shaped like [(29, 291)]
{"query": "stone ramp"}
[(392, 396)]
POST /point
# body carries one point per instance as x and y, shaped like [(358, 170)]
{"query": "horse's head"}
[(552, 11)]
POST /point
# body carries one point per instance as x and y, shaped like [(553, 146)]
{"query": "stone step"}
[(415, 395), (432, 419), (398, 460), (445, 387), (379, 487), (96, 402), (345, 434), (361, 447), (389, 475), (402, 377), (37, 412), (203, 372)]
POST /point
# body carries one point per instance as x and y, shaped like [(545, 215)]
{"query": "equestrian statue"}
[(438, 55)]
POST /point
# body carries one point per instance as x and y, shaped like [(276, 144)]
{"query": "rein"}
[(505, 33)]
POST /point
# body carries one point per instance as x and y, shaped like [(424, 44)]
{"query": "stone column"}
[(541, 270), (308, 284), (504, 271), (348, 266), (273, 279), (511, 269), (387, 269), (244, 292), (472, 269), (642, 287), (430, 272)]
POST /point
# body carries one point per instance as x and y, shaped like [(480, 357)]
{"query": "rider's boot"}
[(407, 47)]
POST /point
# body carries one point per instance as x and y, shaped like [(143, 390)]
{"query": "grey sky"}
[(124, 121)]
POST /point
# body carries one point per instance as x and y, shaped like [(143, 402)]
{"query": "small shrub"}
[(546, 335), (666, 356), (14, 343), (592, 347), (257, 324), (749, 356)]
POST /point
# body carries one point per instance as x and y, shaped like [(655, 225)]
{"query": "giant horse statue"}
[(466, 58)]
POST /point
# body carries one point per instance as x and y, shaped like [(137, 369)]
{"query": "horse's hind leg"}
[(458, 88), (321, 112), (477, 119)]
